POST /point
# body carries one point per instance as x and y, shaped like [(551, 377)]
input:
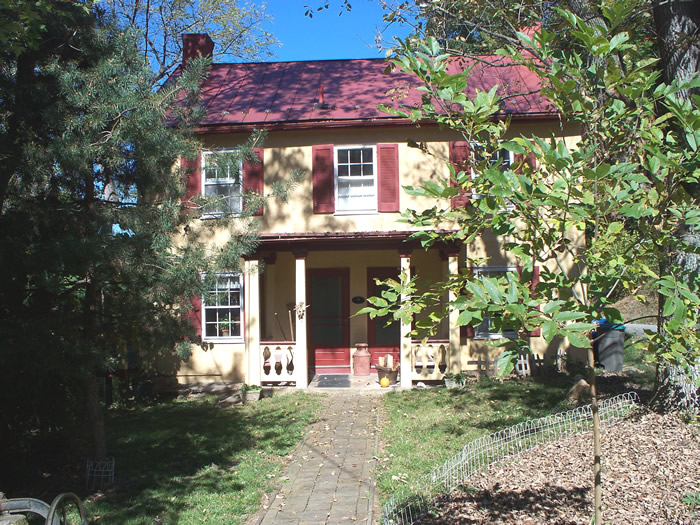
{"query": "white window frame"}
[(483, 330), (473, 147), (223, 311), (224, 181), (339, 208)]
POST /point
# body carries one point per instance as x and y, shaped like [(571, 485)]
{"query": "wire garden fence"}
[(408, 504)]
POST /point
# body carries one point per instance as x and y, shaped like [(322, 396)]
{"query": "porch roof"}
[(334, 241)]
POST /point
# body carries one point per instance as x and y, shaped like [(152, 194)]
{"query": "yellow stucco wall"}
[(288, 150), (285, 151)]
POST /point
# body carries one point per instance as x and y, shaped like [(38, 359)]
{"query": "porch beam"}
[(301, 367), (406, 361), (455, 348), (252, 325)]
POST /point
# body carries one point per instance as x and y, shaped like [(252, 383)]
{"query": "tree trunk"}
[(91, 308), (95, 416), (678, 37), (678, 34), (597, 481)]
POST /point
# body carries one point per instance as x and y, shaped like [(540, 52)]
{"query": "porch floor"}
[(348, 381)]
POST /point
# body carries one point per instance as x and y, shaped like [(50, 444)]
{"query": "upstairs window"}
[(467, 157), (222, 308), (356, 185), (500, 159), (223, 181)]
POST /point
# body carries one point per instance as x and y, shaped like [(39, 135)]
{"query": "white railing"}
[(429, 361), (407, 505), (278, 363)]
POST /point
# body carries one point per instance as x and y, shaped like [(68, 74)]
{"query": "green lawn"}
[(422, 428), (191, 462)]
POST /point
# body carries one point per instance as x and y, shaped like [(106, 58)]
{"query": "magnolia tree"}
[(622, 189)]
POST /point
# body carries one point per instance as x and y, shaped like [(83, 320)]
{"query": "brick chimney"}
[(195, 45)]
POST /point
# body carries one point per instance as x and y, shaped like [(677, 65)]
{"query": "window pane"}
[(355, 169), (222, 310), (355, 155), (342, 170), (343, 155)]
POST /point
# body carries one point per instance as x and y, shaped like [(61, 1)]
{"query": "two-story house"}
[(290, 313)]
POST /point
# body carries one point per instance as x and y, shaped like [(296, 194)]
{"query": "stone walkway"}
[(331, 478)]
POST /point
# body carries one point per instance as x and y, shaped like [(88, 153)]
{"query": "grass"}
[(422, 428), (187, 462), (192, 462)]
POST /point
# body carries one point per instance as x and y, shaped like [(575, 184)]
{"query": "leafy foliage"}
[(236, 28), (568, 212), (100, 252)]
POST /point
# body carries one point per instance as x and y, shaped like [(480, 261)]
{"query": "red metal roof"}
[(285, 94)]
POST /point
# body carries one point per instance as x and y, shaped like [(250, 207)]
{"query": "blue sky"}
[(326, 35)]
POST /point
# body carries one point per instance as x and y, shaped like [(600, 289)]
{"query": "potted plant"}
[(250, 393), (454, 380), (224, 326)]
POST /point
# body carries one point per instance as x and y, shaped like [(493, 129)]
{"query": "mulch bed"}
[(649, 463)]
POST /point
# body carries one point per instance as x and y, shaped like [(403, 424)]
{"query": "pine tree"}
[(98, 248)]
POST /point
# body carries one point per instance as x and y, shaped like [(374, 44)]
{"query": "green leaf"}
[(549, 330), (506, 362), (568, 316), (579, 327)]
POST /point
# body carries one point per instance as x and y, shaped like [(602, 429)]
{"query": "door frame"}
[(343, 349)]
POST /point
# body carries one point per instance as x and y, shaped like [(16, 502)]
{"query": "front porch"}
[(301, 296)]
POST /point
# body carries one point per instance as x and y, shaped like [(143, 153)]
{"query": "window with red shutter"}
[(195, 315), (193, 175), (322, 179), (459, 158), (356, 179), (388, 168), (222, 182), (253, 176)]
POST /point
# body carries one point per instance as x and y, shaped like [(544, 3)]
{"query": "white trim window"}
[(500, 158), (486, 330), (223, 179), (222, 308), (356, 178)]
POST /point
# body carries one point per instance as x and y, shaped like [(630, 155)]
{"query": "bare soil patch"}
[(649, 463), (633, 310)]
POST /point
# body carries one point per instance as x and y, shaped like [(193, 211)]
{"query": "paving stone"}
[(330, 478)]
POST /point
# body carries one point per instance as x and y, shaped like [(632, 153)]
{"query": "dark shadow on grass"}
[(173, 449), (168, 451)]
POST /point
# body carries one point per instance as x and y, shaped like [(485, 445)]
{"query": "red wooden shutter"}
[(322, 179), (193, 175), (459, 158), (388, 178), (195, 315), (253, 176), (530, 159)]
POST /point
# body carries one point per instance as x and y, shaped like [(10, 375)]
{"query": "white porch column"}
[(455, 349), (252, 321), (301, 368), (406, 361)]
